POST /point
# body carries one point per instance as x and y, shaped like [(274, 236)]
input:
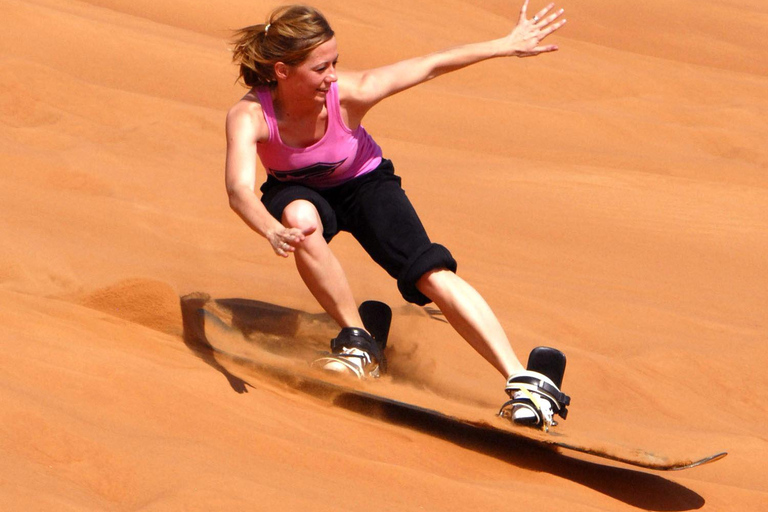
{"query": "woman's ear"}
[(282, 70)]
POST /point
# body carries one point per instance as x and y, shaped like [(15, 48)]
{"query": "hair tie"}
[(266, 28)]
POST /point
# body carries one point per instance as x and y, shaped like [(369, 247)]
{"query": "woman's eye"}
[(324, 67)]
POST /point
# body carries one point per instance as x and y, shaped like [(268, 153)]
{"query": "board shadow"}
[(637, 488)]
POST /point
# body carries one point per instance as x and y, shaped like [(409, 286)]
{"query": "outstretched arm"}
[(364, 89)]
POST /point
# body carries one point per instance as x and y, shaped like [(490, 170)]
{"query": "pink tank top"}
[(342, 154)]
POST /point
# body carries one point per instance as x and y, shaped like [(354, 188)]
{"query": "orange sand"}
[(610, 199)]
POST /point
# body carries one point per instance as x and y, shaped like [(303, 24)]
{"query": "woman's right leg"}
[(318, 266)]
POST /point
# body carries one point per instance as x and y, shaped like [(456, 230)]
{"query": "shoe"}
[(352, 361), (531, 410), (353, 352), (534, 400)]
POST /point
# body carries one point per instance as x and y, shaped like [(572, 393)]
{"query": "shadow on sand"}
[(640, 489), (192, 316)]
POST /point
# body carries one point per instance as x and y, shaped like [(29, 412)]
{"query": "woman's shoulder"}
[(351, 99), (247, 105), (347, 83), (247, 115)]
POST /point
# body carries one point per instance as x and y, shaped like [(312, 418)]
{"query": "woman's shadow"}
[(193, 322), (637, 488), (270, 323)]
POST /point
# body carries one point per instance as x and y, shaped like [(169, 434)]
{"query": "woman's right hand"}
[(525, 38), (285, 240)]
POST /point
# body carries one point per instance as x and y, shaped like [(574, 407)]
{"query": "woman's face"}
[(314, 76)]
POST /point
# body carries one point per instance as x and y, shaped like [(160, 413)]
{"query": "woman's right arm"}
[(245, 125)]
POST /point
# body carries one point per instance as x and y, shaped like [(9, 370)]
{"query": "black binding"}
[(562, 400), (353, 337)]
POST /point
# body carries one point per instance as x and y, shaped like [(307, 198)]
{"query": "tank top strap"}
[(334, 108), (265, 99)]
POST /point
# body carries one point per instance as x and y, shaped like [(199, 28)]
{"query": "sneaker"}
[(351, 361), (534, 400), (531, 410), (353, 352)]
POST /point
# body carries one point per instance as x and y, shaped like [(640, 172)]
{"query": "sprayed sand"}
[(609, 199)]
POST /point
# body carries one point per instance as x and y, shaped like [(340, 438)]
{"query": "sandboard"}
[(346, 393)]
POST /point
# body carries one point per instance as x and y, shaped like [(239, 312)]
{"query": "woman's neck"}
[(290, 107)]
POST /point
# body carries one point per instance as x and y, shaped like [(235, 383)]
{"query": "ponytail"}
[(290, 34)]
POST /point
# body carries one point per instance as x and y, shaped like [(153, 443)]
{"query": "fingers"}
[(539, 16), (295, 235), (549, 19), (283, 250), (540, 49), (280, 247), (546, 24), (551, 28), (548, 48), (286, 240), (523, 11), (541, 20), (285, 246)]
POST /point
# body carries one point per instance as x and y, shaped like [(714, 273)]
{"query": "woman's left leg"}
[(471, 316)]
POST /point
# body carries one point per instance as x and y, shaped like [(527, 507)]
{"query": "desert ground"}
[(609, 199)]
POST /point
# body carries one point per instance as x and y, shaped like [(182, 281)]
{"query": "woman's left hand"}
[(525, 39)]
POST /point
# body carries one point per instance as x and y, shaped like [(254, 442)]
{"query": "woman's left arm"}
[(364, 89)]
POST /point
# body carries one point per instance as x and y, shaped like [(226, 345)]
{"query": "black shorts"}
[(376, 211)]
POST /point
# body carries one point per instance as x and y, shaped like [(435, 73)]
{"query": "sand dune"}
[(609, 199)]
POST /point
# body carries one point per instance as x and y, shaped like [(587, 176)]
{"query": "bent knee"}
[(303, 215)]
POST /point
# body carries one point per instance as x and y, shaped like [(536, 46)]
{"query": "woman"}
[(302, 118)]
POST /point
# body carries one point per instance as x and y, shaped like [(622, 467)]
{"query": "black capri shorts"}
[(376, 211)]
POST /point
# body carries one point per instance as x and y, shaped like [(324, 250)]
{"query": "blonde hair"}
[(290, 34)]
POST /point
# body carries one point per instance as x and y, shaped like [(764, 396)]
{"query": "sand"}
[(609, 199)]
